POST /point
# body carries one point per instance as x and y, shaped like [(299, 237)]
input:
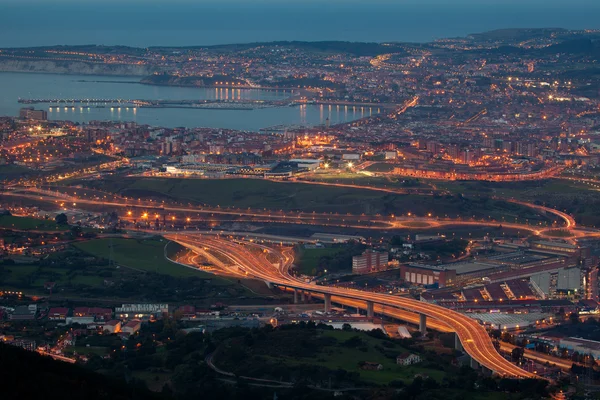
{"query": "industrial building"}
[(562, 282), (582, 346), (510, 321), (422, 274), (369, 261), (553, 270)]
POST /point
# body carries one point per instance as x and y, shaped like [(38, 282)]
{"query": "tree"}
[(76, 231), (61, 219), (397, 241), (574, 318), (517, 354)]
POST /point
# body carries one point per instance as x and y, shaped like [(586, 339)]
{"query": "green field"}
[(263, 194), (523, 190), (366, 179), (27, 223), (281, 354), (347, 358), (32, 278), (307, 260), (578, 198), (10, 172), (144, 255), (88, 351)]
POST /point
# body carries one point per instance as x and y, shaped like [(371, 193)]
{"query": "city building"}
[(31, 113), (369, 261)]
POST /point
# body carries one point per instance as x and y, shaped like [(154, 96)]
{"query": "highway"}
[(567, 219), (288, 217), (473, 337)]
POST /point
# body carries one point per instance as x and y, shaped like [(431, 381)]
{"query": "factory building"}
[(421, 274)]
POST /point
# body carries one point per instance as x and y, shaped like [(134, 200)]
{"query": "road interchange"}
[(473, 337)]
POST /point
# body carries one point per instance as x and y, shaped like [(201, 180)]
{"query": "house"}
[(371, 366), (408, 359), (132, 327), (58, 313), (112, 326)]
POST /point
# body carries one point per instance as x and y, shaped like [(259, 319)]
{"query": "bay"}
[(48, 86)]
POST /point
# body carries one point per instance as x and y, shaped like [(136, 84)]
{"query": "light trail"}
[(301, 218), (473, 336)]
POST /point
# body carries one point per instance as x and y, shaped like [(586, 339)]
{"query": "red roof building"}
[(58, 313), (99, 314)]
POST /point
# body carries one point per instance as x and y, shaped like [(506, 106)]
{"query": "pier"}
[(142, 103)]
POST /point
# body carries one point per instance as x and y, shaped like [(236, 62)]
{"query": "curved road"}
[(473, 336), (298, 218)]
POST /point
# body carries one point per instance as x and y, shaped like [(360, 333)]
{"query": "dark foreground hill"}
[(28, 375)]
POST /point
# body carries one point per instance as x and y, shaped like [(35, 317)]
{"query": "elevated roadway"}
[(473, 337)]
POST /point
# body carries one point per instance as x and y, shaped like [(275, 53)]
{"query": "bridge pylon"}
[(327, 298), (370, 309)]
